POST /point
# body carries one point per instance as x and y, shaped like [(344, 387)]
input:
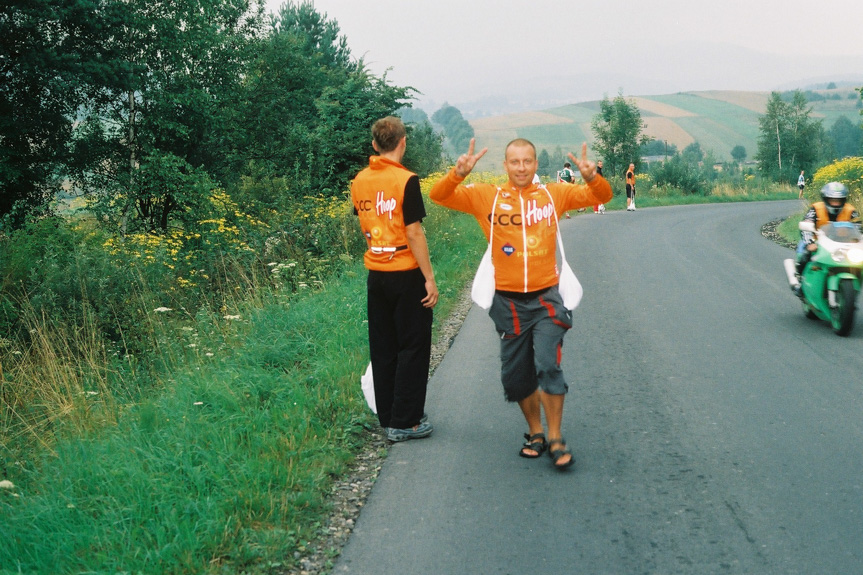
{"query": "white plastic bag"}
[(569, 287), (367, 383), (482, 290)]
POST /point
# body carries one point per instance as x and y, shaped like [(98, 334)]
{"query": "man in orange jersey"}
[(527, 309), (401, 288)]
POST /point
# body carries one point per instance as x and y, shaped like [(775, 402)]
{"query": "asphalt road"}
[(716, 429)]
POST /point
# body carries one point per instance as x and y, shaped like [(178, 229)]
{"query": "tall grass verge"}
[(224, 465)]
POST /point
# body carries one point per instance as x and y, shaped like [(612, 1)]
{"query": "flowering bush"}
[(848, 171), (189, 258)]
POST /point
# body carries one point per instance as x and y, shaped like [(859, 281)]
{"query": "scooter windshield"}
[(844, 232)]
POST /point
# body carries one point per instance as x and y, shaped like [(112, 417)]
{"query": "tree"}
[(693, 154), (543, 163), (51, 56), (186, 60), (411, 115), (680, 174), (456, 129), (306, 107), (618, 129), (846, 137), (738, 153), (657, 148), (424, 153), (790, 140)]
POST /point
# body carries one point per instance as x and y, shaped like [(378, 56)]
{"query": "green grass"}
[(788, 229), (646, 200), (226, 468), (546, 137), (580, 114)]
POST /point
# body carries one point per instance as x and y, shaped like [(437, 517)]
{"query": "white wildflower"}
[(6, 484), (232, 317), (162, 309)]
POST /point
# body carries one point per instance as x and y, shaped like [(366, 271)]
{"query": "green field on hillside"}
[(718, 120)]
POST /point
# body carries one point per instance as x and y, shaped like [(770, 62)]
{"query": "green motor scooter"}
[(831, 279)]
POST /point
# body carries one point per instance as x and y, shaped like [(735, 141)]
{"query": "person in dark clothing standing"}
[(401, 287)]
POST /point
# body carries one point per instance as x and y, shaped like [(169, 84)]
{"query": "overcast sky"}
[(459, 50)]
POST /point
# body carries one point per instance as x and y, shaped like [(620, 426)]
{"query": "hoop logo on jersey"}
[(534, 214), (383, 206)]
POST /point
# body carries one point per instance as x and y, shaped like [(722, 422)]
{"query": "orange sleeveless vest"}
[(378, 197), (822, 217)]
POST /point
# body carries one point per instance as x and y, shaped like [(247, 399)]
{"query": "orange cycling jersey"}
[(524, 244), (378, 197)]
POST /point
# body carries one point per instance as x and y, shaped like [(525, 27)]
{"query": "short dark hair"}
[(388, 132), (567, 165)]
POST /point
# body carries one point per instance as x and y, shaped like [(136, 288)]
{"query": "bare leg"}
[(530, 407), (553, 406)]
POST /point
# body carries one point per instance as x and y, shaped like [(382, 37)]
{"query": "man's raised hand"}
[(466, 162), (585, 166)]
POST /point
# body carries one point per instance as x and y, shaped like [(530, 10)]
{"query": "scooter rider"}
[(833, 208)]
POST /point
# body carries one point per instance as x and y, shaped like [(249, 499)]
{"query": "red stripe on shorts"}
[(516, 325)]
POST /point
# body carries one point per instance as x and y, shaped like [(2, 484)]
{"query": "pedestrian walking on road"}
[(630, 188), (599, 208), (801, 183), (527, 308), (401, 288)]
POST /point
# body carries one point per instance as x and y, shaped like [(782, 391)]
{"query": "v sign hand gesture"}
[(585, 166), (466, 162)]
